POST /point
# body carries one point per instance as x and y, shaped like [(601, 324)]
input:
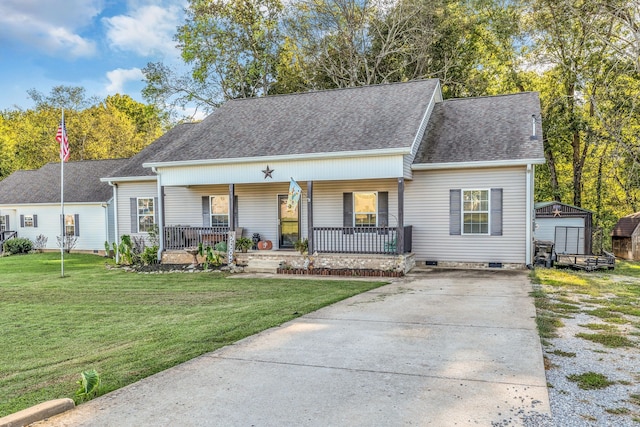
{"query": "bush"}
[(18, 245), (150, 255)]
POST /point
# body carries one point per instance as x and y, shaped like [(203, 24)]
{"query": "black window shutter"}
[(235, 212), (496, 211), (155, 210), (206, 211), (6, 223), (21, 221), (133, 203), (454, 212), (35, 221), (383, 208), (76, 223), (347, 212)]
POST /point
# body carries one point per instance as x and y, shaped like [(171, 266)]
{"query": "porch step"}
[(262, 266)]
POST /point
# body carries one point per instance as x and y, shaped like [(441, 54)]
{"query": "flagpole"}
[(64, 131)]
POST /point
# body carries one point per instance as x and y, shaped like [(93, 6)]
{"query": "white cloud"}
[(119, 77), (50, 27), (147, 30)]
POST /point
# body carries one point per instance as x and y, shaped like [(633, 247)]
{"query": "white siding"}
[(427, 210), (127, 190), (301, 170), (92, 222), (327, 199)]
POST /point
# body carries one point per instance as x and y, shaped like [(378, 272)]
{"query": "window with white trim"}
[(365, 209), (475, 212), (219, 210), (28, 221), (3, 225), (69, 225), (146, 214)]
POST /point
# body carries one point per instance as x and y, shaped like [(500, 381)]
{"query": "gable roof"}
[(626, 225), (377, 117), (483, 129), (132, 167), (82, 183)]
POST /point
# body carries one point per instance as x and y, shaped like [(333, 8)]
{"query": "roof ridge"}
[(337, 89), (527, 92)]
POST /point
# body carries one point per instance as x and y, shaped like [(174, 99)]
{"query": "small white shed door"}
[(569, 240)]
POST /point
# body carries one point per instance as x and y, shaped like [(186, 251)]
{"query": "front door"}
[(289, 223)]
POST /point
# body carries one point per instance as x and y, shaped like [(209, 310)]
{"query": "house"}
[(30, 204), (391, 175), (625, 237), (570, 228)]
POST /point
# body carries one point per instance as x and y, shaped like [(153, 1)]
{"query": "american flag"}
[(61, 137)]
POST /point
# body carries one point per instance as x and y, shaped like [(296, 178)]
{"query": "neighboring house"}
[(30, 204), (570, 228), (384, 169), (625, 237)]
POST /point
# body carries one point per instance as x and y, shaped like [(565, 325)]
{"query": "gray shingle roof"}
[(81, 183), (364, 118), (483, 129), (133, 166)]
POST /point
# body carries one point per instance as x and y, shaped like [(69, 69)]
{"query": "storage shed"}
[(625, 237), (568, 227)]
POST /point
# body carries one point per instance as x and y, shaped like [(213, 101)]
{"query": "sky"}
[(101, 45)]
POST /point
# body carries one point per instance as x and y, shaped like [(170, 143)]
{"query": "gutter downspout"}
[(529, 215), (115, 219), (160, 209)]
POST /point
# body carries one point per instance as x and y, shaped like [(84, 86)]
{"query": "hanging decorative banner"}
[(294, 195), (231, 248)]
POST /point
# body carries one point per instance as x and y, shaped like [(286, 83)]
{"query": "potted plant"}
[(244, 244), (301, 246)]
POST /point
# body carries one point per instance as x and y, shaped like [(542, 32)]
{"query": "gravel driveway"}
[(617, 404)]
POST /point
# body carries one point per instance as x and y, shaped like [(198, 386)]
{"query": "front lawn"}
[(128, 326)]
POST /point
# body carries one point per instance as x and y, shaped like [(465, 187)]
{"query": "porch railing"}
[(6, 235), (182, 236), (360, 240)]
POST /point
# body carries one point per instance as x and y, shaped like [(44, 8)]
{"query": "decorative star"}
[(556, 212), (267, 172)]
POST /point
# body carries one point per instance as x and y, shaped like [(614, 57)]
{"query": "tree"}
[(118, 127)]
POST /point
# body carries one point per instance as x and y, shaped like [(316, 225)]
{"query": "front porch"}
[(325, 240)]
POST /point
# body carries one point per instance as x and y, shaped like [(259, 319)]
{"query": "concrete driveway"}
[(437, 348)]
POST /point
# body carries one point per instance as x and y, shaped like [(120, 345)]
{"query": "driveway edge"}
[(37, 413)]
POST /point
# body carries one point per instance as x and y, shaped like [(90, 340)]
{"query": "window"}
[(3, 225), (475, 211), (146, 214), (28, 221), (219, 211), (365, 209), (69, 225)]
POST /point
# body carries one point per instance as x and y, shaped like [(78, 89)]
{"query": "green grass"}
[(608, 340), (128, 326), (590, 380)]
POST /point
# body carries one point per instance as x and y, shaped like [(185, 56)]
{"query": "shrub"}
[(40, 243), (150, 255), (221, 246), (18, 245)]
